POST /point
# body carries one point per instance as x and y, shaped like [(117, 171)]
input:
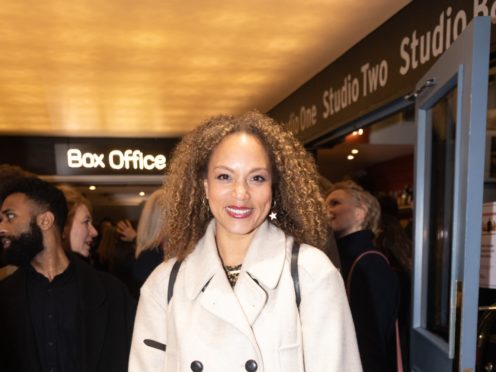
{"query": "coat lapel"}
[(251, 297), (220, 300), (261, 269), (204, 274)]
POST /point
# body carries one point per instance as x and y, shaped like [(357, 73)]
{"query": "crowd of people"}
[(246, 259)]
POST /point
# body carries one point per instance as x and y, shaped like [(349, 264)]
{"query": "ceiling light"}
[(141, 193), (92, 187), (360, 131), (350, 157), (354, 151), (354, 133)]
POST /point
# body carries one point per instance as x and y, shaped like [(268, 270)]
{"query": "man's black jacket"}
[(107, 315)]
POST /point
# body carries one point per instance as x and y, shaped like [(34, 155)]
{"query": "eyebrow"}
[(232, 170)]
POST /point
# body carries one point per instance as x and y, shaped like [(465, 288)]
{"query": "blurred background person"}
[(104, 223), (331, 248), (394, 243), (148, 241), (107, 246), (57, 313), (372, 286), (116, 256), (150, 238), (79, 231), (126, 231), (10, 172), (392, 239)]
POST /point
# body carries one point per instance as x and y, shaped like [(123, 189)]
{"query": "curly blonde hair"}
[(298, 202), (362, 199)]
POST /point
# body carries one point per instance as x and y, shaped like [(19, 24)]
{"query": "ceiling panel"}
[(157, 68)]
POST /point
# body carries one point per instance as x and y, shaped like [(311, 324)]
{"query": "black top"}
[(146, 262), (54, 310), (121, 265), (374, 299), (133, 271), (331, 250), (105, 317)]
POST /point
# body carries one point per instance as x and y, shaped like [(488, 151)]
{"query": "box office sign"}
[(87, 159)]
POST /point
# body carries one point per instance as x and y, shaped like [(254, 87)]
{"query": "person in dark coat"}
[(57, 313), (149, 239), (116, 257), (331, 248), (394, 243), (372, 286)]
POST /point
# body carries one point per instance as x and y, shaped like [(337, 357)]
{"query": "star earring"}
[(273, 214)]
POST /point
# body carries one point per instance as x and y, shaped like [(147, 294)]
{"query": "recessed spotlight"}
[(354, 133), (92, 187), (350, 157), (360, 131), (354, 151), (141, 193)]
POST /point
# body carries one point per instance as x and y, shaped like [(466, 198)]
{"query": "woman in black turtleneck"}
[(373, 288)]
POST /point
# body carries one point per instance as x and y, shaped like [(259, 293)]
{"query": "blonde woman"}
[(150, 241), (372, 286)]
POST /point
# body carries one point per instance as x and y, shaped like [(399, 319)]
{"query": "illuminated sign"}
[(116, 159), (113, 157)]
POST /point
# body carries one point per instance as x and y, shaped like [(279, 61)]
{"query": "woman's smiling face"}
[(239, 184), (82, 231)]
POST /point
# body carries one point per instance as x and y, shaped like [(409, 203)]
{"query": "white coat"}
[(255, 325)]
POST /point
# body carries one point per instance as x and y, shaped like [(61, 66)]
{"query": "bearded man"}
[(56, 313), (8, 173)]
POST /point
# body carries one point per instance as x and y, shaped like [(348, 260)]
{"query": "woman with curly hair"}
[(371, 284), (242, 198)]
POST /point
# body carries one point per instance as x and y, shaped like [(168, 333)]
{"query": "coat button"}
[(196, 366), (251, 365)]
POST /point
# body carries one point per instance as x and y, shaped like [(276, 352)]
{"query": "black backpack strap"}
[(170, 292), (294, 272), (172, 279)]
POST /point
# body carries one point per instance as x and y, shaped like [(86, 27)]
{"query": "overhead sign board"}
[(74, 158), (88, 156), (380, 69)]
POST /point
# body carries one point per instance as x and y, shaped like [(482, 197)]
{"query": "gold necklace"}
[(232, 273)]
